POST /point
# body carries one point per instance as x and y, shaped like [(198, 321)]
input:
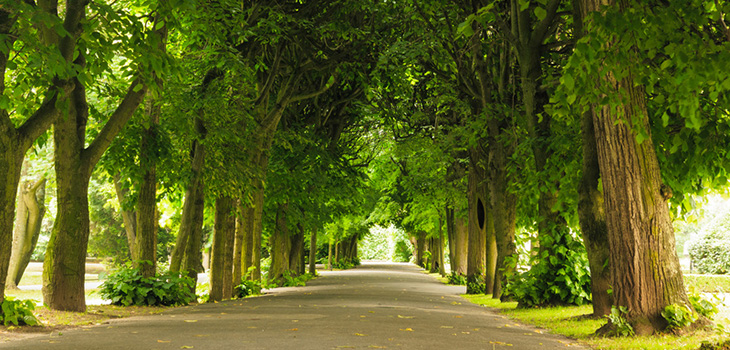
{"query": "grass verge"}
[(572, 321)]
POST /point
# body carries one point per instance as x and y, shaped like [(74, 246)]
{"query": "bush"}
[(703, 306), (678, 316), (126, 286), (456, 279), (247, 288), (403, 251), (18, 312), (709, 252), (557, 277)]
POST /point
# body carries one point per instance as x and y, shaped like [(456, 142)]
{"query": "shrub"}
[(456, 279), (618, 319), (678, 316), (18, 312), (126, 286), (703, 306), (247, 288), (709, 251), (557, 277)]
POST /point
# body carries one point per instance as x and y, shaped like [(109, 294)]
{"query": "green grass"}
[(707, 284), (568, 321)]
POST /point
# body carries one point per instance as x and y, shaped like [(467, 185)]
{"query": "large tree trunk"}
[(477, 254), (247, 242), (64, 266), (280, 244), (31, 209), (591, 213), (222, 251), (313, 252), (645, 271), (420, 248)]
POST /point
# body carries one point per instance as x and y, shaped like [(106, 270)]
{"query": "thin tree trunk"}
[(237, 275), (420, 248), (645, 271), (490, 275), (129, 217), (187, 222), (313, 252)]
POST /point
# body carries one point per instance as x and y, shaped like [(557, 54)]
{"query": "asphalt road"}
[(384, 306)]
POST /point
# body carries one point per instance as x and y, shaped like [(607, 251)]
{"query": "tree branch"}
[(125, 110)]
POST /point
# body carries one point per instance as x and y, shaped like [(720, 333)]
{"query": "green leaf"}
[(540, 13)]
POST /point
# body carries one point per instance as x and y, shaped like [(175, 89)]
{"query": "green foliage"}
[(709, 251), (678, 316), (292, 280), (345, 264), (558, 276), (403, 251), (618, 319), (702, 306), (18, 312), (456, 279), (126, 286), (247, 288)]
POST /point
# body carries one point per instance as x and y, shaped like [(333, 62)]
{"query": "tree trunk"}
[(31, 209), (490, 275), (591, 213), (313, 252), (247, 243), (222, 251), (129, 217), (187, 221), (297, 251), (280, 244), (237, 274), (477, 254), (645, 271), (420, 248), (145, 242), (460, 244)]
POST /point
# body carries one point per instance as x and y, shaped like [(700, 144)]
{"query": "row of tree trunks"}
[(29, 217)]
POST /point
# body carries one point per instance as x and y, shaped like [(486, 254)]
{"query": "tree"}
[(15, 141), (64, 267)]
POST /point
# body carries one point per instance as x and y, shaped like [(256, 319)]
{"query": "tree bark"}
[(280, 245), (645, 271), (297, 251), (187, 221), (221, 279), (313, 252), (477, 254), (591, 213), (460, 243), (31, 209)]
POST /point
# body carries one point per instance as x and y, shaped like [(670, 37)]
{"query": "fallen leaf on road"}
[(458, 316), (455, 303), (293, 329), (407, 329), (447, 326), (359, 335), (501, 343), (377, 347), (186, 347), (163, 341), (399, 316), (191, 321)]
